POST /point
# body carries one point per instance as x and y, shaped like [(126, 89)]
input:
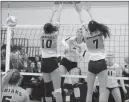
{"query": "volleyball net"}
[(28, 37)]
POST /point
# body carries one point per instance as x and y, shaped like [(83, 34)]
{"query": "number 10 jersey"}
[(49, 45)]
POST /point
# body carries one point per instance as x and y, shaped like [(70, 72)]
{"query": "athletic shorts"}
[(98, 66), (110, 89), (49, 64), (68, 64)]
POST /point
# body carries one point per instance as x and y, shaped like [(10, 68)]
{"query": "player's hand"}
[(87, 6), (78, 7), (61, 6), (55, 7)]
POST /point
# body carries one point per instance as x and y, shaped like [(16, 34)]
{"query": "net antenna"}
[(87, 7), (8, 9)]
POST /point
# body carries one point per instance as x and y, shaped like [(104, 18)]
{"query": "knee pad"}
[(48, 89)]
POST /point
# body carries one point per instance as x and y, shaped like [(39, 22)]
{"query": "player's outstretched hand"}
[(78, 7)]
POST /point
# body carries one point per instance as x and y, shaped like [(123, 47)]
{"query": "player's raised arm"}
[(59, 14), (53, 12), (78, 8), (87, 7)]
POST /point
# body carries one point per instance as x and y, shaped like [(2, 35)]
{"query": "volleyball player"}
[(49, 58), (114, 70), (113, 86), (125, 73), (94, 39), (11, 92), (74, 50)]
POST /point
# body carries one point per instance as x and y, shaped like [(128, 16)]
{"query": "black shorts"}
[(49, 64), (110, 89), (68, 64), (98, 66)]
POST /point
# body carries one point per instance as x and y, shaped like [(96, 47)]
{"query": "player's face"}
[(32, 65), (39, 65), (109, 61), (37, 58), (79, 35)]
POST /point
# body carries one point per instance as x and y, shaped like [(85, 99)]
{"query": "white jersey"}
[(74, 51), (95, 46), (113, 72), (14, 94), (49, 45)]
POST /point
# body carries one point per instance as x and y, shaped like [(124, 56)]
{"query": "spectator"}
[(15, 58), (26, 83), (31, 68), (26, 62), (37, 59), (38, 84), (38, 68)]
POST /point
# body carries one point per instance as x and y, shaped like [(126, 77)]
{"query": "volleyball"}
[(11, 21), (126, 59)]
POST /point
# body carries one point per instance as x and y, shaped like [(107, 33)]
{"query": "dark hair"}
[(49, 28), (94, 26), (15, 77), (3, 46)]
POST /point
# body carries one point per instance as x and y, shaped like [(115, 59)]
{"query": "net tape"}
[(70, 76)]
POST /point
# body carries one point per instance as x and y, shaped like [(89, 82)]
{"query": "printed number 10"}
[(48, 44)]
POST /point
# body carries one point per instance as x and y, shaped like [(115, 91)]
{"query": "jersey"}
[(14, 94), (113, 72), (95, 46), (75, 50), (49, 45)]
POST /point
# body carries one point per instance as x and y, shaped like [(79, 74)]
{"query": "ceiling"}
[(33, 4)]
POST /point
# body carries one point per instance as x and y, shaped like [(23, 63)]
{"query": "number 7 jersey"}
[(49, 45), (95, 43)]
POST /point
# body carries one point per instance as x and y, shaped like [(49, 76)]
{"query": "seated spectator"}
[(38, 68), (26, 62), (26, 83), (37, 59), (31, 68)]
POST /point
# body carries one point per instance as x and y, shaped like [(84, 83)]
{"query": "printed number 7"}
[(96, 41)]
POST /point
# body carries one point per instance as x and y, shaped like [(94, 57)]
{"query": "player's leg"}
[(48, 65), (65, 66), (63, 70), (48, 85), (116, 94), (56, 78), (102, 77), (90, 84), (76, 89)]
